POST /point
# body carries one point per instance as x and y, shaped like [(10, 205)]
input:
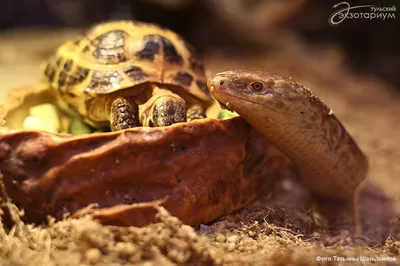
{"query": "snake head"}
[(246, 92)]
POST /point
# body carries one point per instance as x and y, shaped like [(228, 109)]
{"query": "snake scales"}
[(300, 125)]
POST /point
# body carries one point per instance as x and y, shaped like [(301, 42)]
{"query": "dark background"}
[(371, 46)]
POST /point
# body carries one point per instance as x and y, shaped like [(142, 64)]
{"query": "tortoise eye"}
[(257, 86)]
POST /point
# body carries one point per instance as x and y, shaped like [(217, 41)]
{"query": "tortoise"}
[(124, 74)]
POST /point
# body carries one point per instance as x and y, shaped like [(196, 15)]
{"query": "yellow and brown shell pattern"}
[(119, 55)]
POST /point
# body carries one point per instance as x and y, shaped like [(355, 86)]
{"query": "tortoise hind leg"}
[(124, 114), (196, 111)]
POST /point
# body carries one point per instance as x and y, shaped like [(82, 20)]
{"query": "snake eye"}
[(257, 86)]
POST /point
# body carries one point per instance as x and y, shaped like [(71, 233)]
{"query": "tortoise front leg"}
[(196, 111), (124, 114)]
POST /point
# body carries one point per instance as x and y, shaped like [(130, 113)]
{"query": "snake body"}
[(300, 125)]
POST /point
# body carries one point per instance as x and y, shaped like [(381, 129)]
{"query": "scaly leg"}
[(124, 114)]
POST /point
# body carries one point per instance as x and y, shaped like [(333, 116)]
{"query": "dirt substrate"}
[(287, 226), (276, 236)]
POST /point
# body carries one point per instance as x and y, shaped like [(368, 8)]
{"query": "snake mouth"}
[(226, 104)]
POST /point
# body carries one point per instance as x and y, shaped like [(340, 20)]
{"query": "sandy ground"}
[(286, 227)]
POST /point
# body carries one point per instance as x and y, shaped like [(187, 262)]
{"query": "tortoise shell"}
[(117, 55)]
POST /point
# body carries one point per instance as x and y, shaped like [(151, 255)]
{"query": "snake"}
[(300, 125)]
